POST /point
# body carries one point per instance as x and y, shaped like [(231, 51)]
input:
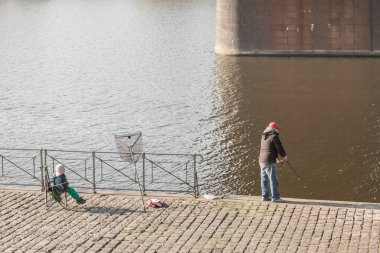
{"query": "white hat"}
[(59, 169)]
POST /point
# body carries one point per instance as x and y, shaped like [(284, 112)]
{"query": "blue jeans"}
[(269, 177)]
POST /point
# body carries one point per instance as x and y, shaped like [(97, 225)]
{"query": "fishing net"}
[(130, 146)]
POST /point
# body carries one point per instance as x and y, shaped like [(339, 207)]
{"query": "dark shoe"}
[(279, 200), (81, 201), (265, 199)]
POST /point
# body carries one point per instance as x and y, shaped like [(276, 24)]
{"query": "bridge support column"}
[(281, 27)]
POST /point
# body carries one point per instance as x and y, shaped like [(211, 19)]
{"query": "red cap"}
[(274, 125)]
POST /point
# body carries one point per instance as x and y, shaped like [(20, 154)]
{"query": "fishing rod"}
[(295, 173)]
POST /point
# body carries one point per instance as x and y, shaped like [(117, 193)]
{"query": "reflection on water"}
[(73, 73), (329, 113)]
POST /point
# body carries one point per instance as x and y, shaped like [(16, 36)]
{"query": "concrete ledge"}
[(314, 53)]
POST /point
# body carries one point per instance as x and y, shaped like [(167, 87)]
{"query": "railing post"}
[(101, 170), (45, 177), (143, 173), (152, 171), (186, 172), (46, 174), (93, 172), (2, 166), (45, 162), (42, 170), (195, 177), (34, 166)]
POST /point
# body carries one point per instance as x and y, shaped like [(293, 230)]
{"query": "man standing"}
[(271, 147)]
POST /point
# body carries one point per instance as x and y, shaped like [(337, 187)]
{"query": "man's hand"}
[(285, 158)]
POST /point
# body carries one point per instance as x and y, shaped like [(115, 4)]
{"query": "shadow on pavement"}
[(111, 210)]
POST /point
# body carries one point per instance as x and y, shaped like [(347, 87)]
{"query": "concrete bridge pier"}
[(298, 27)]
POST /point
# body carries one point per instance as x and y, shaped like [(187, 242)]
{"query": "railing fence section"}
[(172, 173), (25, 162)]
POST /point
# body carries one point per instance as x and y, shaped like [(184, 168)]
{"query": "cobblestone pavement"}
[(117, 223)]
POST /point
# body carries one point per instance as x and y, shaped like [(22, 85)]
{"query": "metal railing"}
[(157, 172), (27, 162)]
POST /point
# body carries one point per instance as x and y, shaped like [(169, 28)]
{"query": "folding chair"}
[(52, 192)]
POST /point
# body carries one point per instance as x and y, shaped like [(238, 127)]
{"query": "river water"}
[(74, 73)]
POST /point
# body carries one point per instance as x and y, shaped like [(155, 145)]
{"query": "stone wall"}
[(297, 26)]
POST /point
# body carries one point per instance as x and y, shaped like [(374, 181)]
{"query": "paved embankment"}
[(116, 223)]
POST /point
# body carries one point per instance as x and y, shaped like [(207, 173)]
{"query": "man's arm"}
[(64, 183), (58, 183), (280, 149)]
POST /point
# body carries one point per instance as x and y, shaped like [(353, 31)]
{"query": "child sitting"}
[(61, 184)]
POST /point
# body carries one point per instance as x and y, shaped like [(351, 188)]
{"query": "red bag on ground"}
[(155, 203)]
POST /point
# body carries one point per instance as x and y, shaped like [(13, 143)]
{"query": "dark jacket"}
[(60, 182), (271, 146)]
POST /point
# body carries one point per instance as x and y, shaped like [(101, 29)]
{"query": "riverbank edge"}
[(236, 198)]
